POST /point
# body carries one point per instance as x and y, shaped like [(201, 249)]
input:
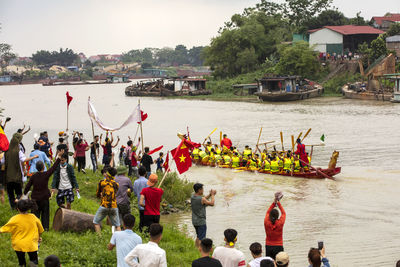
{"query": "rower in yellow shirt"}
[(227, 159), (235, 160), (266, 166)]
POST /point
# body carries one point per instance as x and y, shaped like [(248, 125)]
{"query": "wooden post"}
[(95, 147), (67, 117), (141, 127)]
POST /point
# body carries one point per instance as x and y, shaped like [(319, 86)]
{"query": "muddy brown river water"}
[(357, 216)]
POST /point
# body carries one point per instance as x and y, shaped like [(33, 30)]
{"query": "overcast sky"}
[(115, 26)]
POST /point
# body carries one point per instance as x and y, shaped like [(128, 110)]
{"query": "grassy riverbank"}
[(88, 249)]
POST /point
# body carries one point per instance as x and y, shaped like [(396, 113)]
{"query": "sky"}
[(112, 27)]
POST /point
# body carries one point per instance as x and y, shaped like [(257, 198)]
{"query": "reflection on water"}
[(353, 215)]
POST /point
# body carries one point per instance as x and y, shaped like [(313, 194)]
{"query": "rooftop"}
[(393, 39), (391, 17), (350, 29)]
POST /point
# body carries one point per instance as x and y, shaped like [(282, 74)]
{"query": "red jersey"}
[(274, 231), (152, 197), (301, 151), (226, 142), (133, 159)]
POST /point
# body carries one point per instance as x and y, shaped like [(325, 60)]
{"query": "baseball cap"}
[(153, 178), (282, 258)]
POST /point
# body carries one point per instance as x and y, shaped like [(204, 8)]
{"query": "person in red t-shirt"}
[(301, 151), (80, 150), (274, 227), (150, 199), (226, 142)]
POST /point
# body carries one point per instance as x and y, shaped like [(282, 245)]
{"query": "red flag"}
[(155, 150), (69, 99), (182, 157), (143, 116), (166, 163), (3, 140)]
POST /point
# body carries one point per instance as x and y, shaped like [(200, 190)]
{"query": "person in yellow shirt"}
[(235, 160), (296, 164), (266, 166), (227, 159), (26, 230)]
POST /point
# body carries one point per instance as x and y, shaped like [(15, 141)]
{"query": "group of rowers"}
[(228, 156)]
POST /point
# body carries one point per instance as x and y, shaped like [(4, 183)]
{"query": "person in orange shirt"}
[(274, 227), (226, 142), (26, 231)]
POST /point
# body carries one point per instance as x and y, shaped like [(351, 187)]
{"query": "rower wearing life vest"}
[(296, 164), (227, 159), (266, 166), (287, 163), (217, 149), (274, 165), (208, 147), (301, 152), (195, 154), (247, 152), (226, 142), (235, 160)]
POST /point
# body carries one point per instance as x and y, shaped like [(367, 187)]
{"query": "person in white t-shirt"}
[(256, 252), (228, 255)]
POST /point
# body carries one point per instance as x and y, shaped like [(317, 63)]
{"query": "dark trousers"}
[(81, 163), (43, 212), (123, 209), (141, 220), (94, 162), (271, 251), (14, 191), (129, 164), (149, 219), (33, 257)]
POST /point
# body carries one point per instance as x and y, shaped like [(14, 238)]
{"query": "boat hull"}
[(290, 96), (365, 95)]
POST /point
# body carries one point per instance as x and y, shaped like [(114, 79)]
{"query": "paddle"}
[(318, 171), (220, 138), (205, 139), (258, 140), (292, 142), (282, 142), (300, 134), (304, 137)]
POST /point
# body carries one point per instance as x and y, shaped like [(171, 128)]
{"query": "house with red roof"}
[(385, 22), (341, 39)]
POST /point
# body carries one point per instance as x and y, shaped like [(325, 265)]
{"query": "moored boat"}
[(365, 95)]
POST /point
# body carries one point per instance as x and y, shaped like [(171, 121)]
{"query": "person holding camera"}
[(317, 258), (273, 225)]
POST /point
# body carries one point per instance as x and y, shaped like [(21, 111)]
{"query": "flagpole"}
[(94, 144), (141, 127), (67, 117)]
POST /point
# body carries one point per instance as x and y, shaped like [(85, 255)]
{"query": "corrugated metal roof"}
[(392, 17), (351, 29), (393, 39)]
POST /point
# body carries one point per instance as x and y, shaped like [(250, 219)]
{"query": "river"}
[(354, 215)]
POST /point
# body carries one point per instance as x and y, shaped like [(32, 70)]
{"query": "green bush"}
[(176, 190), (334, 85)]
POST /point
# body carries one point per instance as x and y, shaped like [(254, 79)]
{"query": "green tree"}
[(6, 55), (378, 48), (63, 57), (331, 17), (195, 56), (357, 20), (394, 29), (298, 59)]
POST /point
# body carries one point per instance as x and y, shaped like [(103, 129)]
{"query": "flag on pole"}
[(69, 99), (322, 138), (155, 150), (4, 144), (181, 155), (166, 163), (143, 116)]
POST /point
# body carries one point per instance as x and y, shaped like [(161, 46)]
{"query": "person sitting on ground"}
[(267, 263), (274, 228), (150, 254), (199, 204), (106, 191), (205, 260), (125, 241), (228, 255), (64, 181), (150, 199), (52, 261), (138, 185), (282, 259), (317, 257), (41, 193), (26, 231), (256, 252), (124, 192)]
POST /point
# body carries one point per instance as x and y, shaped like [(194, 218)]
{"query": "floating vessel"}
[(287, 88), (365, 95)]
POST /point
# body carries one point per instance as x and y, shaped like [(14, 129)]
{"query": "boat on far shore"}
[(287, 88), (355, 92), (110, 80)]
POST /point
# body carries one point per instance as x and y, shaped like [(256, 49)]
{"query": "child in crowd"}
[(26, 231)]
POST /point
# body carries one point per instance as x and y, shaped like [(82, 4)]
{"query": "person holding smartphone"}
[(317, 258)]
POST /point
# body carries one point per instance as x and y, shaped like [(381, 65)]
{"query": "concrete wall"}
[(325, 36)]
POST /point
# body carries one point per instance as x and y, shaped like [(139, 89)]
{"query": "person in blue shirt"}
[(160, 161), (138, 185), (41, 157), (125, 241), (317, 258)]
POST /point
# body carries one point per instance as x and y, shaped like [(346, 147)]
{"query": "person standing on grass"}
[(81, 148), (199, 204), (138, 186), (228, 255), (146, 161), (41, 193), (106, 191), (150, 254), (94, 152), (64, 181), (256, 252), (26, 231), (125, 241), (159, 161), (274, 228), (152, 195), (41, 157), (124, 192), (205, 260)]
